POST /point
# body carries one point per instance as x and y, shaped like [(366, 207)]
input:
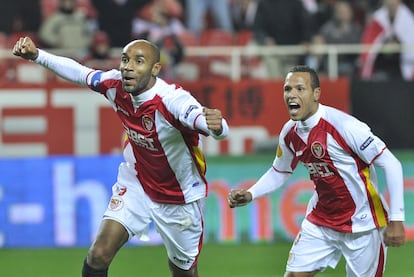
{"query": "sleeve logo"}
[(366, 143), (190, 108)]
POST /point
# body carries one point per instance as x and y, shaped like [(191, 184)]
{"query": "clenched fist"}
[(213, 119), (238, 198), (26, 49)]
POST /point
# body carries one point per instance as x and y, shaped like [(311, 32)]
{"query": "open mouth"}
[(128, 79), (293, 107)]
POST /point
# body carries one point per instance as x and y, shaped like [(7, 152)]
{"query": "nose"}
[(126, 67)]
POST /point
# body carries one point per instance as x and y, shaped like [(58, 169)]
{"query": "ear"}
[(156, 69), (316, 94)]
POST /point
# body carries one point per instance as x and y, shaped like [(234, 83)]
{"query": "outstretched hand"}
[(26, 49), (213, 119), (238, 198)]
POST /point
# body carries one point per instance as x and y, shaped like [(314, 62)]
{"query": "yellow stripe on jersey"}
[(376, 200), (279, 151), (200, 159)]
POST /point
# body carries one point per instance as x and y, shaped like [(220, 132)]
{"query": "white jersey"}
[(163, 144), (338, 151), (163, 125)]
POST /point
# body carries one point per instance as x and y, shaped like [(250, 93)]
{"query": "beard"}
[(137, 86)]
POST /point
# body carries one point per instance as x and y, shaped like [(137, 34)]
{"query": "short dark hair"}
[(304, 68)]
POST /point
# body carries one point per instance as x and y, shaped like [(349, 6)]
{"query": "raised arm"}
[(64, 67), (26, 49)]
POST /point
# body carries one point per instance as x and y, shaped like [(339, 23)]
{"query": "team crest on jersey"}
[(116, 203), (147, 122), (317, 149)]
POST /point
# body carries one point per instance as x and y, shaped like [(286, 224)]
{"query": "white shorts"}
[(180, 226), (315, 248)]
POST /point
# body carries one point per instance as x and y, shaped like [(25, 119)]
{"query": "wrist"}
[(35, 56)]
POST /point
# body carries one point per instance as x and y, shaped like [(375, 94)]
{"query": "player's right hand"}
[(26, 49), (238, 198)]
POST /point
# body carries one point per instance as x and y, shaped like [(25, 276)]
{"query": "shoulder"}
[(343, 122), (176, 99), (287, 127), (171, 91), (99, 79), (337, 117), (335, 114), (102, 75)]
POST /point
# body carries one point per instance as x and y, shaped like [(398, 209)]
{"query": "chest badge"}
[(317, 150), (147, 123)]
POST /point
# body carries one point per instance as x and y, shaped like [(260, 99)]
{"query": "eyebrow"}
[(124, 54)]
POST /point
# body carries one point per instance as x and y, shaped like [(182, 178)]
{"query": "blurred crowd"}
[(89, 30)]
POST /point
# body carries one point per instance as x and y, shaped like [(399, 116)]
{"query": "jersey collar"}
[(147, 95), (311, 121)]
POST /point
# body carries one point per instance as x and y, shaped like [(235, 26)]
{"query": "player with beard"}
[(162, 179)]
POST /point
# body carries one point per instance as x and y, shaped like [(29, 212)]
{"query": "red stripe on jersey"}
[(191, 139), (335, 206), (378, 211), (153, 169), (157, 138), (292, 137)]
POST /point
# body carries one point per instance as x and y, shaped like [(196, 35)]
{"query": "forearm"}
[(395, 183), (269, 182), (64, 67)]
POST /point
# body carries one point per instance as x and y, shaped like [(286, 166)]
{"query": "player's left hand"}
[(394, 234), (213, 119)]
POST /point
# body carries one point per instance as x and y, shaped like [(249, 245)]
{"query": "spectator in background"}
[(315, 59), (312, 10), (115, 18), (159, 23), (67, 29), (243, 13), (281, 22), (20, 16), (197, 11), (99, 55), (341, 29), (410, 4), (392, 24)]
